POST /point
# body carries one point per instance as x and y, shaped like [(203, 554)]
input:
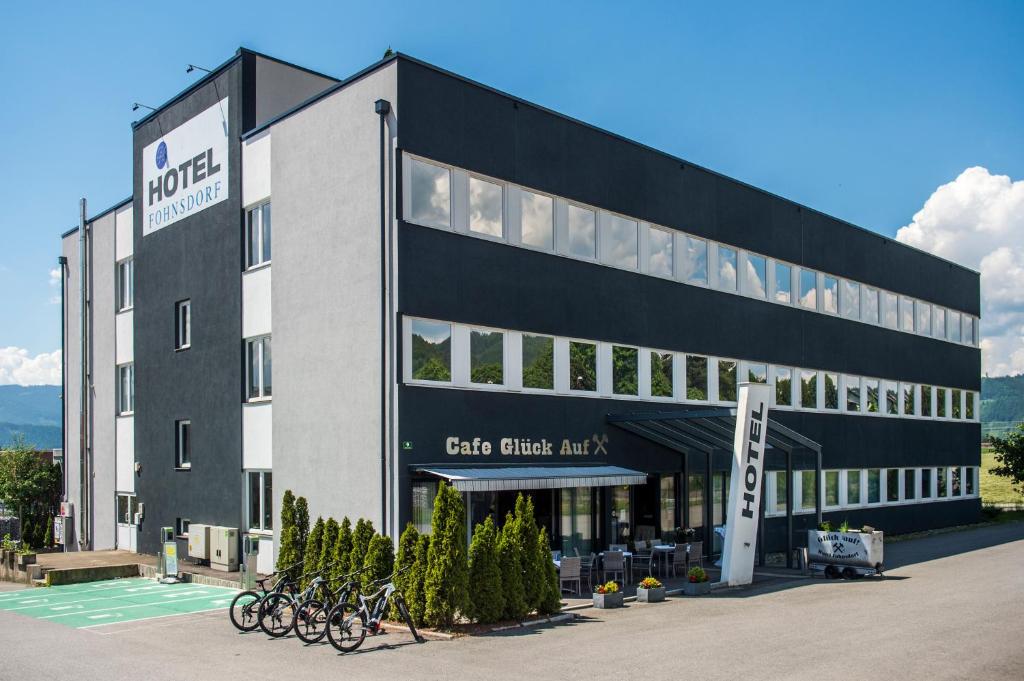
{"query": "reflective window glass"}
[(537, 220), (756, 283), (431, 194), (582, 232), (661, 374), (849, 299), (852, 393), (582, 366), (696, 377), (538, 362), (783, 283), (954, 326), (624, 370), (956, 411), (659, 252), (890, 318), (726, 268), (622, 242), (808, 389), (874, 485), (892, 485), (830, 295), (809, 289), (487, 357), (695, 260), (485, 209), (940, 403), (892, 398), (871, 388), (923, 311), (906, 314), (908, 399), (783, 386), (831, 488), (939, 322), (870, 305), (853, 487), (431, 350), (831, 391), (757, 373), (727, 380), (926, 401)]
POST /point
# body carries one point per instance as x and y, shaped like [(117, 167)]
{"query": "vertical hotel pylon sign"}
[(745, 485)]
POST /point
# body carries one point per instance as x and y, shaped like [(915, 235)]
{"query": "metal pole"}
[(63, 262), (817, 488), (83, 406), (789, 509), (382, 107)]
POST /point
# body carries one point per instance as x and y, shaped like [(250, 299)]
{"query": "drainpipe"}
[(63, 262), (383, 107), (83, 405)]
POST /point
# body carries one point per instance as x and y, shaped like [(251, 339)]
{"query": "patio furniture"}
[(695, 554), (661, 554), (614, 564), (679, 558), (588, 566), (640, 546), (556, 555), (641, 563), (569, 573), (618, 547)]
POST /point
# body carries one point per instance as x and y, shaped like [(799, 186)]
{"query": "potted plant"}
[(650, 590), (697, 583), (26, 556), (607, 595)]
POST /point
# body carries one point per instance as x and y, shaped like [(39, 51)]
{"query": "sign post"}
[(745, 484)]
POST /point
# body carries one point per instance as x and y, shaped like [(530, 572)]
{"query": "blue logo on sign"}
[(161, 155)]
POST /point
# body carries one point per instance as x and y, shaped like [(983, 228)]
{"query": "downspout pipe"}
[(83, 397), (382, 107), (63, 262)]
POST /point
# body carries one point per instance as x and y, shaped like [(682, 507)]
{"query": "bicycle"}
[(244, 609), (348, 623), (277, 611), (310, 621)]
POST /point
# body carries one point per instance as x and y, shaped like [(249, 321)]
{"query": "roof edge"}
[(97, 216)]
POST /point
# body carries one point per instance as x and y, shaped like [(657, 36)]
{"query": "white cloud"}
[(978, 221), (17, 367), (55, 284)]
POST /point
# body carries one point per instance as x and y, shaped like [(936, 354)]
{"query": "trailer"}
[(849, 554)]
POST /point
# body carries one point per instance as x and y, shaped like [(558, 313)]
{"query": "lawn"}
[(996, 489)]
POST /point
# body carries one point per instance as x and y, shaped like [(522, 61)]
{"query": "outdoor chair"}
[(639, 546), (641, 560), (615, 564), (656, 541), (696, 554), (556, 555), (570, 573), (588, 566), (679, 558), (617, 547)]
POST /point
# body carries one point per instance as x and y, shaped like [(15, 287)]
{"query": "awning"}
[(487, 479)]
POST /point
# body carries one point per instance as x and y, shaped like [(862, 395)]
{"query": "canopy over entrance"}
[(496, 479)]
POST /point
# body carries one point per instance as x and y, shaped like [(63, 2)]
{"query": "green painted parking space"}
[(122, 600)]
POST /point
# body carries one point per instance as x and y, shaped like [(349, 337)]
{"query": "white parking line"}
[(127, 607)]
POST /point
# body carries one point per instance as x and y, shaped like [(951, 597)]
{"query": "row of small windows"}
[(443, 353), (853, 488), (516, 215)]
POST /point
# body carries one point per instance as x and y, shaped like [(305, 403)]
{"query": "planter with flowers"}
[(650, 590), (697, 583), (607, 596)]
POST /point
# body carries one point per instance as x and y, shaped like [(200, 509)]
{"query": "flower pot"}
[(655, 595), (697, 588), (25, 559), (608, 600)]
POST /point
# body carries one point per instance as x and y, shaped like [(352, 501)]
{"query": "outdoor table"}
[(664, 550), (628, 555)]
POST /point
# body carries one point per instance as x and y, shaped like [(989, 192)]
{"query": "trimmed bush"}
[(313, 549), (486, 598), (48, 537), (533, 572), (447, 577), (404, 562), (288, 552), (301, 526), (326, 562), (416, 596), (550, 587), (510, 554), (379, 562), (342, 549), (361, 537)]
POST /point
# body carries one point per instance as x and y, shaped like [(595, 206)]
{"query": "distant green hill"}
[(1002, 403), (32, 411)]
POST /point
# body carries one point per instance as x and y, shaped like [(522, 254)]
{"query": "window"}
[(726, 380), (487, 357), (909, 486), (908, 399), (125, 284), (874, 486), (975, 331), (892, 398), (668, 503), (780, 492), (870, 305), (621, 242), (726, 268), (431, 350), (956, 411), (940, 482), (853, 488), (659, 252), (261, 500), (926, 401), (892, 485), (537, 220), (852, 393), (257, 235), (620, 530), (889, 316), (183, 444), (831, 391), (582, 366), (183, 325), (259, 363), (485, 207), (624, 370), (696, 377), (582, 232), (923, 312), (808, 490), (906, 314), (756, 283), (695, 500), (954, 326), (757, 373), (809, 289), (956, 489), (126, 389), (970, 406), (181, 527), (967, 333), (830, 295), (808, 389), (661, 374), (831, 488), (127, 507), (538, 362), (939, 322), (940, 403), (783, 292), (871, 388), (423, 494), (431, 194), (783, 386), (926, 483), (849, 300), (695, 260), (969, 480)]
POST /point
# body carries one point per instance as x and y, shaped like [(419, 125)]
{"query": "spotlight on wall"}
[(136, 106), (193, 67)]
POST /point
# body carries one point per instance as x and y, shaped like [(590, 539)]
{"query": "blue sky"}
[(861, 110)]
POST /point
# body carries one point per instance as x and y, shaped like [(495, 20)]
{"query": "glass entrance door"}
[(577, 520)]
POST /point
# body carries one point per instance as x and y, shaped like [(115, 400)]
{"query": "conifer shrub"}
[(361, 536), (533, 572), (379, 562), (288, 552), (342, 549), (551, 588), (447, 576), (302, 526), (312, 552), (510, 553), (486, 598), (404, 563), (416, 594), (326, 562)]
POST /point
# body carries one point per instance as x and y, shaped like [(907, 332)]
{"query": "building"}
[(467, 286)]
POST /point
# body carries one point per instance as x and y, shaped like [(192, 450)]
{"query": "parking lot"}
[(949, 608)]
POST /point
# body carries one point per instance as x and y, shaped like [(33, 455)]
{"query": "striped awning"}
[(487, 479)]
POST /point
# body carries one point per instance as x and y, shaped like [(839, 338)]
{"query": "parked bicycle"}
[(348, 623), (245, 608), (310, 623), (277, 611)]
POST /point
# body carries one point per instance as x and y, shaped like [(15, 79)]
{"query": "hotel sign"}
[(595, 445)]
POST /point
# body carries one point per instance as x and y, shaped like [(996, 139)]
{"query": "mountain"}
[(1002, 402), (33, 411)]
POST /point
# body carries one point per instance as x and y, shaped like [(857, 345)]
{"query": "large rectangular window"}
[(830, 295), (695, 260), (537, 212), (126, 389), (668, 503), (125, 284), (695, 501), (582, 230), (659, 252), (661, 374), (431, 350), (969, 407), (423, 494), (582, 366), (849, 299), (906, 314), (939, 322), (956, 412), (783, 386), (892, 398), (870, 312), (954, 326), (756, 281), (940, 403), (257, 235), (726, 268), (809, 289), (908, 398), (183, 324), (783, 292), (909, 484), (624, 370), (757, 373), (831, 488), (831, 391), (871, 388), (853, 488), (726, 380), (183, 444), (926, 401), (852, 393), (890, 316), (892, 485), (923, 312), (808, 490), (780, 492), (487, 357), (926, 483), (259, 363), (486, 211), (621, 246), (696, 377), (969, 480), (431, 196), (940, 482), (538, 362), (808, 389), (956, 488), (874, 485), (261, 501)]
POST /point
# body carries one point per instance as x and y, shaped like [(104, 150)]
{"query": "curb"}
[(533, 623)]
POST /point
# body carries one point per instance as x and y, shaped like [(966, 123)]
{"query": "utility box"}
[(199, 541), (224, 548)]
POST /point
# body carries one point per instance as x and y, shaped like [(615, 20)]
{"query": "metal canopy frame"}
[(710, 429)]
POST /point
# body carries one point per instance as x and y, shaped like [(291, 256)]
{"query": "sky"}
[(905, 118)]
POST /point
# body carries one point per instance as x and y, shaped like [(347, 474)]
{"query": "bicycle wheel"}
[(277, 611), (346, 627), (245, 610), (310, 623)]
